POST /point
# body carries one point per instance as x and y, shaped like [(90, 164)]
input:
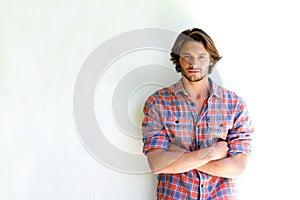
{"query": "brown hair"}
[(197, 35)]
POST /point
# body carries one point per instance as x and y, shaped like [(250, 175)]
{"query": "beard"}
[(195, 78)]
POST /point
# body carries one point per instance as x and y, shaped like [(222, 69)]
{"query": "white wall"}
[(43, 45)]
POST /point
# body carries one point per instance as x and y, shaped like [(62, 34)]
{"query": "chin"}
[(196, 79)]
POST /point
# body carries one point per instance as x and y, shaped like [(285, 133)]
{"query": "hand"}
[(214, 152)]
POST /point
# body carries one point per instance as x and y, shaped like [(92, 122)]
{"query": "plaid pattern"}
[(170, 114)]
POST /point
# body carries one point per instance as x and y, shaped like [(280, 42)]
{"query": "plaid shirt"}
[(170, 113)]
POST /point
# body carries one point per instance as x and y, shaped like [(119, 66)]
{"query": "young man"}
[(196, 134)]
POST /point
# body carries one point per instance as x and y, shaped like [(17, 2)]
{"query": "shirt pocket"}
[(215, 131), (180, 131)]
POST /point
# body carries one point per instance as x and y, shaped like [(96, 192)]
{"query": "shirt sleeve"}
[(153, 130), (240, 136)]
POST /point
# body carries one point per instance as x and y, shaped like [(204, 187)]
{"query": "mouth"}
[(193, 71)]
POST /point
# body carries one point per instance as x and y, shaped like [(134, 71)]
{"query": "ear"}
[(212, 61), (178, 68)]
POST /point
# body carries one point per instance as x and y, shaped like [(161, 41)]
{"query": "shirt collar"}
[(178, 88), (215, 89)]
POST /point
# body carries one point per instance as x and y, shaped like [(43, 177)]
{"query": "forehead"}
[(193, 47)]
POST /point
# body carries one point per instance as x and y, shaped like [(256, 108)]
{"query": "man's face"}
[(194, 61)]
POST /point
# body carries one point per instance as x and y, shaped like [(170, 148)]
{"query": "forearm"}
[(230, 167), (175, 161), (178, 160)]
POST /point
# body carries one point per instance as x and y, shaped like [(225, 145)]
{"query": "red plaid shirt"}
[(170, 113)]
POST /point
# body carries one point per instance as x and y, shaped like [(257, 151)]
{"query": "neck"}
[(198, 89)]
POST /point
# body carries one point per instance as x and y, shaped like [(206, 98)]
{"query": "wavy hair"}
[(197, 35)]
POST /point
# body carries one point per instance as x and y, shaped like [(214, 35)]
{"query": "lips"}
[(193, 71)]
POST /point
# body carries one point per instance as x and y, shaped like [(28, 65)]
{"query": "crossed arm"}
[(211, 160)]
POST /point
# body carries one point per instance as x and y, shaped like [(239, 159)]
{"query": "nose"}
[(194, 62)]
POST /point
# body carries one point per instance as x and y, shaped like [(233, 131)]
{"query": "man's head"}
[(194, 35)]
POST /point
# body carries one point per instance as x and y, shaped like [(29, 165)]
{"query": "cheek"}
[(206, 64), (183, 62)]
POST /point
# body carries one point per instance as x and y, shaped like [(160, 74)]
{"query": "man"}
[(196, 134)]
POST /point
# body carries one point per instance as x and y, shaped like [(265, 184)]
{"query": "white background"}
[(44, 43)]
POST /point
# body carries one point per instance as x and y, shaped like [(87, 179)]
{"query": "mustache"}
[(193, 68)]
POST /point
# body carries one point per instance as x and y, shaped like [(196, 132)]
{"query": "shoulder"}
[(161, 98), (231, 95), (225, 93), (227, 96), (163, 93)]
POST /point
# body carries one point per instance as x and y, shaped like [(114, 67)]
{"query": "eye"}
[(186, 57), (202, 56)]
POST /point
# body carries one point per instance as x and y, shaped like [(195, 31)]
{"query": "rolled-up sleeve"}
[(240, 136), (154, 133)]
